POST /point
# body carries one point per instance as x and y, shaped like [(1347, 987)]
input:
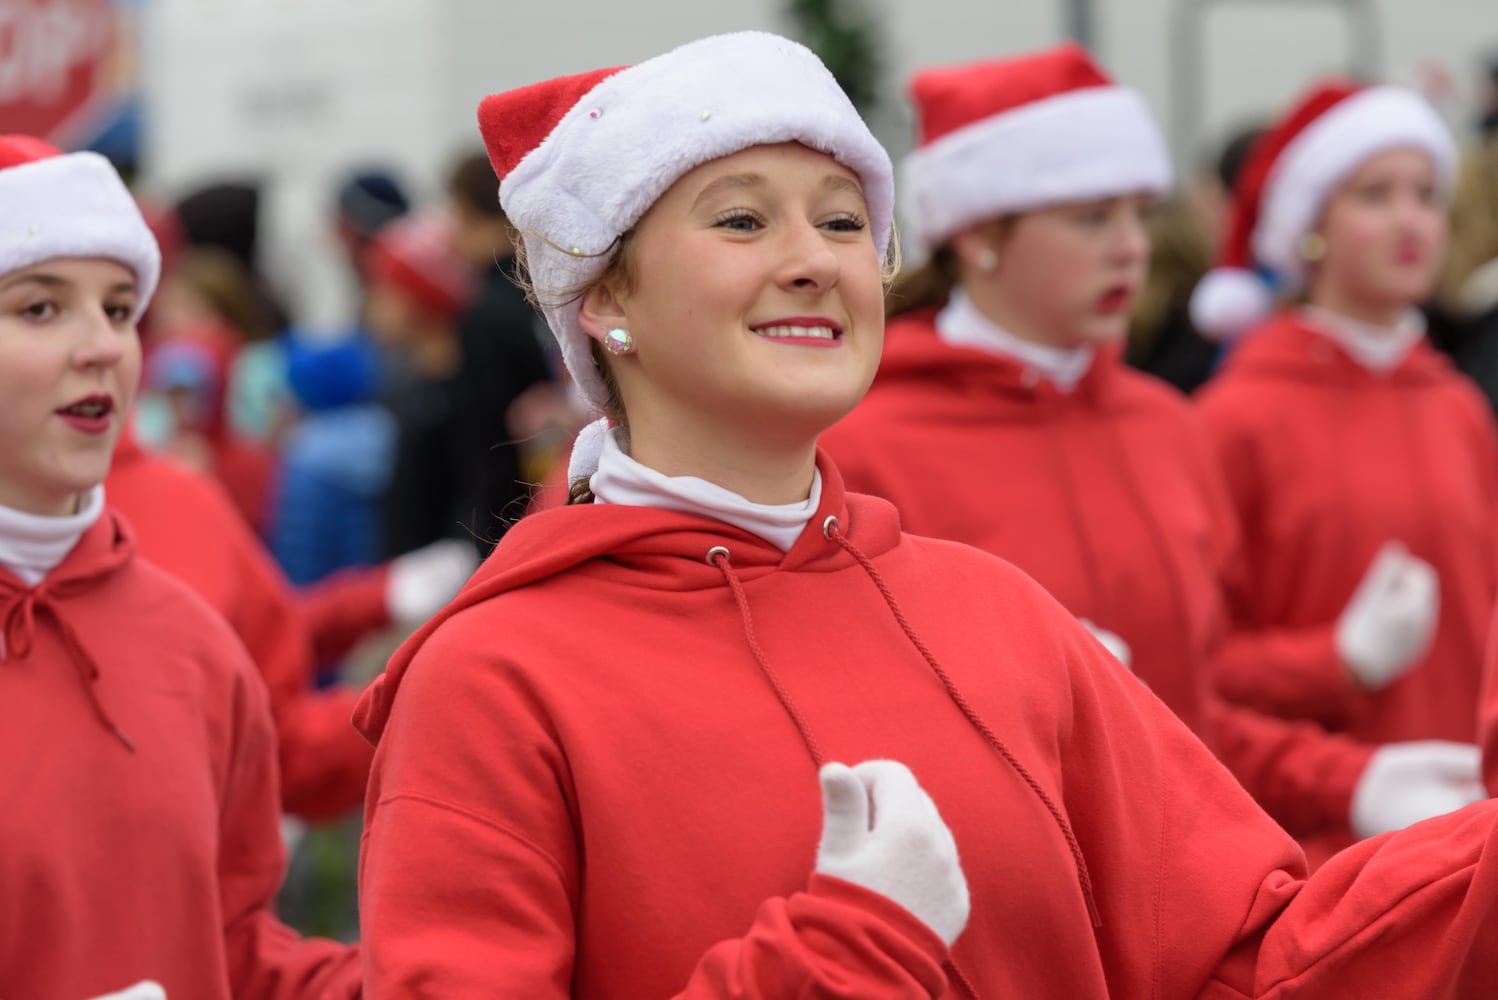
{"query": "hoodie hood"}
[(976, 381), (1290, 347), (664, 549)]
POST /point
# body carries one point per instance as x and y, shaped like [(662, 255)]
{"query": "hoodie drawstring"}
[(833, 531), (16, 634), (718, 556)]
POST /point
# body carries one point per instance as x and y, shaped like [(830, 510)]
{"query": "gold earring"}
[(1312, 247)]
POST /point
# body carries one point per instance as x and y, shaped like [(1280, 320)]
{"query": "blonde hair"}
[(1474, 222)]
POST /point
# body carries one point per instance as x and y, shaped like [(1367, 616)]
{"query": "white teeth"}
[(818, 332)]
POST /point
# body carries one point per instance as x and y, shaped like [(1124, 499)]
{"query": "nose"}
[(102, 342), (810, 264), (1132, 240)]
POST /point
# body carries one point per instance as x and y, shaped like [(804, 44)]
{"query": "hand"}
[(881, 830), (1112, 642), (1405, 783), (421, 582), (143, 990), (1390, 622)]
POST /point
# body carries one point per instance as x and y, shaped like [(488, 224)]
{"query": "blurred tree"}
[(845, 35)]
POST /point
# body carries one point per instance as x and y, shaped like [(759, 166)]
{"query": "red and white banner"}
[(57, 73)]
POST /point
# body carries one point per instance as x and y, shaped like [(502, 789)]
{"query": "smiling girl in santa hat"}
[(1363, 468), (596, 772), (1004, 418), (140, 836)]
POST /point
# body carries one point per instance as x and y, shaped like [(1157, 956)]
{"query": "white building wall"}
[(299, 90)]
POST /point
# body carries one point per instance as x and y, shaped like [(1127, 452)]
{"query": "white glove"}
[(1405, 783), (1112, 642), (881, 830), (421, 582), (1391, 620), (143, 990)]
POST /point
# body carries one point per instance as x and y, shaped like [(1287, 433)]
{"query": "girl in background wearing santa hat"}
[(137, 759), (1363, 467), (1028, 190), (596, 769)]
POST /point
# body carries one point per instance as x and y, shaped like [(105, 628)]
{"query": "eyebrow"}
[(53, 281), (831, 182)]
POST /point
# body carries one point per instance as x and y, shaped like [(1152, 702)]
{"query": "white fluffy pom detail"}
[(587, 449), (1228, 301)]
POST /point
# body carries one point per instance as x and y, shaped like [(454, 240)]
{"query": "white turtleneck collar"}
[(960, 324), (623, 481), (1379, 349), (31, 545)]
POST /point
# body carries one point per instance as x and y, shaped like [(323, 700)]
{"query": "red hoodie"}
[(1488, 720), (586, 785), (190, 528), (1107, 497), (1326, 461), (140, 836)]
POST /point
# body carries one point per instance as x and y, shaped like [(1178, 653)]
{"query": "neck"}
[(33, 543), (758, 472), (39, 506), (1378, 315), (991, 306)]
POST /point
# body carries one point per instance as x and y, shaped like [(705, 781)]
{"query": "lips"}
[(804, 330), (91, 414), (1115, 300)]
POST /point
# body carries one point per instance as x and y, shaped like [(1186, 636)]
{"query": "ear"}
[(979, 247), (601, 310)]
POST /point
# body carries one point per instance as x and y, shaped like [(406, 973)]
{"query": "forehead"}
[(96, 273), (1400, 159), (770, 165)]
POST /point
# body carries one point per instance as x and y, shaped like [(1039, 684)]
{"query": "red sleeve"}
[(1166, 831), (267, 960), (1292, 673), (1487, 727), (825, 942), (324, 761), (342, 610), (1301, 775)]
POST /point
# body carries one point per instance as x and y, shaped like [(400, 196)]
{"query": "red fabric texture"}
[(162, 862), (517, 121), (1488, 721), (1108, 498), (342, 610), (1325, 462), (1248, 191), (18, 149), (952, 97), (627, 809), (188, 527)]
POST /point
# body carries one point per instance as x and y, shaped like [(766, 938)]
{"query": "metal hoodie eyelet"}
[(716, 551), (828, 525)]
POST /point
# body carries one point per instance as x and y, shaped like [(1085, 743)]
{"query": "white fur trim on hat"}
[(1326, 152), (1229, 300), (630, 137), (587, 449), (75, 206), (1097, 142)]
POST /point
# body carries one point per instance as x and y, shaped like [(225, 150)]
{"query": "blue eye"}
[(740, 220), (846, 223)]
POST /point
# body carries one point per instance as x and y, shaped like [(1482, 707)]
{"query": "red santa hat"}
[(1009, 135), (581, 158), (416, 254), (1290, 172), (70, 205)]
